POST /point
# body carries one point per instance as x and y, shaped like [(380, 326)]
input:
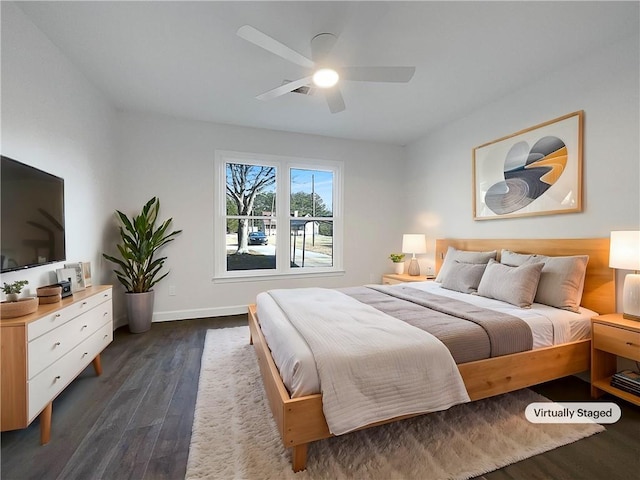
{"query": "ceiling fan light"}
[(325, 78)]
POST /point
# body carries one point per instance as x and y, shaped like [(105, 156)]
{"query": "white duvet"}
[(550, 326), (371, 366)]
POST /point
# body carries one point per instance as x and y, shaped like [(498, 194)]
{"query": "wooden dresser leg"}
[(45, 424), (299, 457), (97, 365)]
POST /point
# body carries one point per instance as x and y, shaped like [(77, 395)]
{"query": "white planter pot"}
[(398, 268)]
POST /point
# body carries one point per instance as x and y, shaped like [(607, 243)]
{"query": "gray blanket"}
[(469, 332)]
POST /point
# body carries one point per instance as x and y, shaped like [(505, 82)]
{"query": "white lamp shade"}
[(414, 243), (624, 254), (624, 251)]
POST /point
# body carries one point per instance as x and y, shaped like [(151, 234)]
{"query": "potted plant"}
[(398, 262), (12, 290), (139, 268), (15, 306)]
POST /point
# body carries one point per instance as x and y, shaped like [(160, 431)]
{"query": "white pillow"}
[(462, 256), (514, 285)]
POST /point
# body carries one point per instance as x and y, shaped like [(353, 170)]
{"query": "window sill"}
[(259, 277)]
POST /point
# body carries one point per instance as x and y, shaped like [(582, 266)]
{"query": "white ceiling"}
[(184, 58)]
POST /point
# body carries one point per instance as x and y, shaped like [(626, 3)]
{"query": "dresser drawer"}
[(619, 341), (46, 349), (45, 386), (62, 316)]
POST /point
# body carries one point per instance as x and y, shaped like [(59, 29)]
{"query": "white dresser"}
[(43, 352)]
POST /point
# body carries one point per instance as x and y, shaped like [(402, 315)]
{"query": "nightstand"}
[(612, 336), (394, 278)]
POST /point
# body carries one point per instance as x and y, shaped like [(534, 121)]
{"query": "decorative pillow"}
[(462, 256), (464, 277), (562, 281), (514, 285), (507, 257)]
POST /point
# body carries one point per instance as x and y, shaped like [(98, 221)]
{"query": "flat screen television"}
[(31, 218)]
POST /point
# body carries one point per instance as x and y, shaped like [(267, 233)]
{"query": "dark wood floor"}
[(135, 420)]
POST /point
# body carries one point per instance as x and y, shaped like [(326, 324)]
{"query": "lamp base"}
[(414, 268), (631, 297)]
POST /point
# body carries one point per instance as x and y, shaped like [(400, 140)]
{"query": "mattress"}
[(550, 326)]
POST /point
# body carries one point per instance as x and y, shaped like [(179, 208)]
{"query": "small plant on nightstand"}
[(12, 290), (398, 261)]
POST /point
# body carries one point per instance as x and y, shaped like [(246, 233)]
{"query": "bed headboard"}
[(599, 287)]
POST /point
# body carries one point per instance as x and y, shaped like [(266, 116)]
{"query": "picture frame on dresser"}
[(536, 171), (76, 273), (86, 274)]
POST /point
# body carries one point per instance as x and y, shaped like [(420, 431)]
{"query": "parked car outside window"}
[(258, 238)]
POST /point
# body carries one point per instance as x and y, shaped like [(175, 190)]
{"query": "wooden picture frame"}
[(86, 273), (537, 171)]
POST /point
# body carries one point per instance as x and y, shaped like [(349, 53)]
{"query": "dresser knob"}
[(83, 304), (105, 314), (58, 315), (85, 354), (57, 344), (83, 327), (57, 378)]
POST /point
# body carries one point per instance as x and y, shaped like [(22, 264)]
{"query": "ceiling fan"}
[(323, 74)]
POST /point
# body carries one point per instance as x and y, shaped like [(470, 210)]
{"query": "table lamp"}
[(414, 243), (624, 254)]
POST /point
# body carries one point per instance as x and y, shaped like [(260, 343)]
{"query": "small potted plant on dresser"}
[(15, 306), (139, 267), (398, 262)]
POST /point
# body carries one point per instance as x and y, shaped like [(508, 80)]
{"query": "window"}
[(277, 216)]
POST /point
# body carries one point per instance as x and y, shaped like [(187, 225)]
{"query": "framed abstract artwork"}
[(537, 171)]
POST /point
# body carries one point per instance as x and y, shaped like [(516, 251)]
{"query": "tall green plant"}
[(140, 242)]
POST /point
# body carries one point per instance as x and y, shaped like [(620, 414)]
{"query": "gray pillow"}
[(507, 257), (464, 277), (562, 282), (462, 256), (514, 285)]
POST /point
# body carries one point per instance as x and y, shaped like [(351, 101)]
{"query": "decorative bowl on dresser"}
[(49, 294), (43, 352), (22, 307)]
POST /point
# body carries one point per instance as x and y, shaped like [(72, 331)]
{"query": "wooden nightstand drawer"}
[(619, 341)]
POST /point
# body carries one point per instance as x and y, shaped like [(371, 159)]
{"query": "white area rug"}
[(234, 435)]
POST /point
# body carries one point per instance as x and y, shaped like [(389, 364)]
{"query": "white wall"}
[(55, 120), (606, 86), (173, 159)]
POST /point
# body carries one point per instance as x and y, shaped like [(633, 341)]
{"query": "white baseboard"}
[(121, 321), (199, 313)]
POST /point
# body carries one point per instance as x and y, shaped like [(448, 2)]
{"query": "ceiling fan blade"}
[(286, 88), (377, 74), (321, 46), (272, 45), (334, 99)]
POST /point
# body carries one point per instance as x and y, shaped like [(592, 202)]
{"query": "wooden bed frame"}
[(301, 420)]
